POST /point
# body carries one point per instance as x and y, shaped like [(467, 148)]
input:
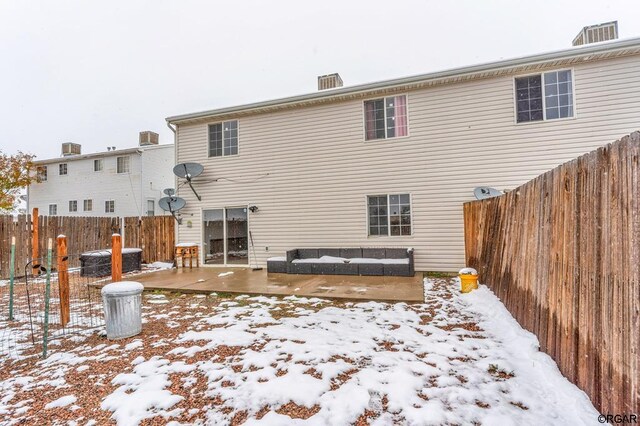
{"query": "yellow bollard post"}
[(468, 279)]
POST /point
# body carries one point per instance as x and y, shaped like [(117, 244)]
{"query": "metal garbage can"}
[(122, 309)]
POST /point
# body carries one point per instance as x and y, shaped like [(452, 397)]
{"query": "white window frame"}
[(388, 194), (151, 202), (113, 206), (544, 101), (364, 119), (84, 205), (55, 207), (127, 163), (99, 161), (76, 206), (62, 166), (208, 153)]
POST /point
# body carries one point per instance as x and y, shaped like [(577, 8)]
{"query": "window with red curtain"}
[(386, 117)]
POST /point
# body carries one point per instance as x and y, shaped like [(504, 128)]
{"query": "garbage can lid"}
[(467, 271), (122, 288)]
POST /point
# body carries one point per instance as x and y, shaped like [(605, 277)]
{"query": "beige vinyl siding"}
[(463, 135)]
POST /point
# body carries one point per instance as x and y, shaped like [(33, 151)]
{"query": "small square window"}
[(547, 96), (109, 206), (53, 209), (62, 168), (87, 205), (223, 139), (389, 215), (386, 118)]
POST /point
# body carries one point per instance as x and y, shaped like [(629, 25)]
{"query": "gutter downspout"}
[(175, 152), (175, 178), (142, 197)]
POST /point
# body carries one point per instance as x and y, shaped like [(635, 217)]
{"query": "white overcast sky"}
[(97, 73)]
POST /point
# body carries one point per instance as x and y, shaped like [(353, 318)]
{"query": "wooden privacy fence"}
[(562, 253), (83, 233), (155, 235)]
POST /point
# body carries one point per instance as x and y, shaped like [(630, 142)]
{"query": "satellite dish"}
[(169, 191), (172, 205), (484, 192), (189, 171)]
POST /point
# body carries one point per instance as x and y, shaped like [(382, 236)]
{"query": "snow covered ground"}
[(457, 359)]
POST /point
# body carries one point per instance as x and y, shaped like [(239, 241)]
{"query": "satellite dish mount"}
[(172, 204), (188, 171), (484, 192)]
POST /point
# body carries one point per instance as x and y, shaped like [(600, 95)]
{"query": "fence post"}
[(34, 240), (12, 272), (63, 279), (47, 294), (116, 258)]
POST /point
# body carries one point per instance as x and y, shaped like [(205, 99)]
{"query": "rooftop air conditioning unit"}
[(148, 138), (69, 148), (597, 33), (329, 81)]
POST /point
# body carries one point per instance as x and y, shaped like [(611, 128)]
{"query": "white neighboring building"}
[(118, 182)]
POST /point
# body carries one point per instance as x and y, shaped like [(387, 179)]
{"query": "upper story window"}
[(223, 138), (73, 206), (41, 173), (545, 96), (87, 205), (97, 165), (123, 164), (62, 168), (109, 206), (386, 117), (389, 214), (53, 209)]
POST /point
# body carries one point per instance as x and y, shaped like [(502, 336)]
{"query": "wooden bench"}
[(187, 251)]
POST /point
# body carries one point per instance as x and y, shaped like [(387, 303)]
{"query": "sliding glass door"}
[(225, 236), (213, 239)]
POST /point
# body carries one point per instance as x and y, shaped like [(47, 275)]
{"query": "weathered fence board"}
[(20, 227), (563, 254), (155, 235)]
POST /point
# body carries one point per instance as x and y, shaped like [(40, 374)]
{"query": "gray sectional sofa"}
[(345, 261)]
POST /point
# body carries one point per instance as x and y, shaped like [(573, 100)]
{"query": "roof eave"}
[(335, 94)]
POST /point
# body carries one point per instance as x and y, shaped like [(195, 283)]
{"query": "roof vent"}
[(329, 81), (69, 148), (148, 138), (597, 33)]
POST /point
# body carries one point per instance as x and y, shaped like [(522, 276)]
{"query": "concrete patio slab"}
[(247, 281)]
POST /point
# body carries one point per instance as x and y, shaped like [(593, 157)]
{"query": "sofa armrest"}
[(292, 255)]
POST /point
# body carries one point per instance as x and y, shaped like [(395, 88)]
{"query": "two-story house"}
[(117, 182), (389, 164)]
